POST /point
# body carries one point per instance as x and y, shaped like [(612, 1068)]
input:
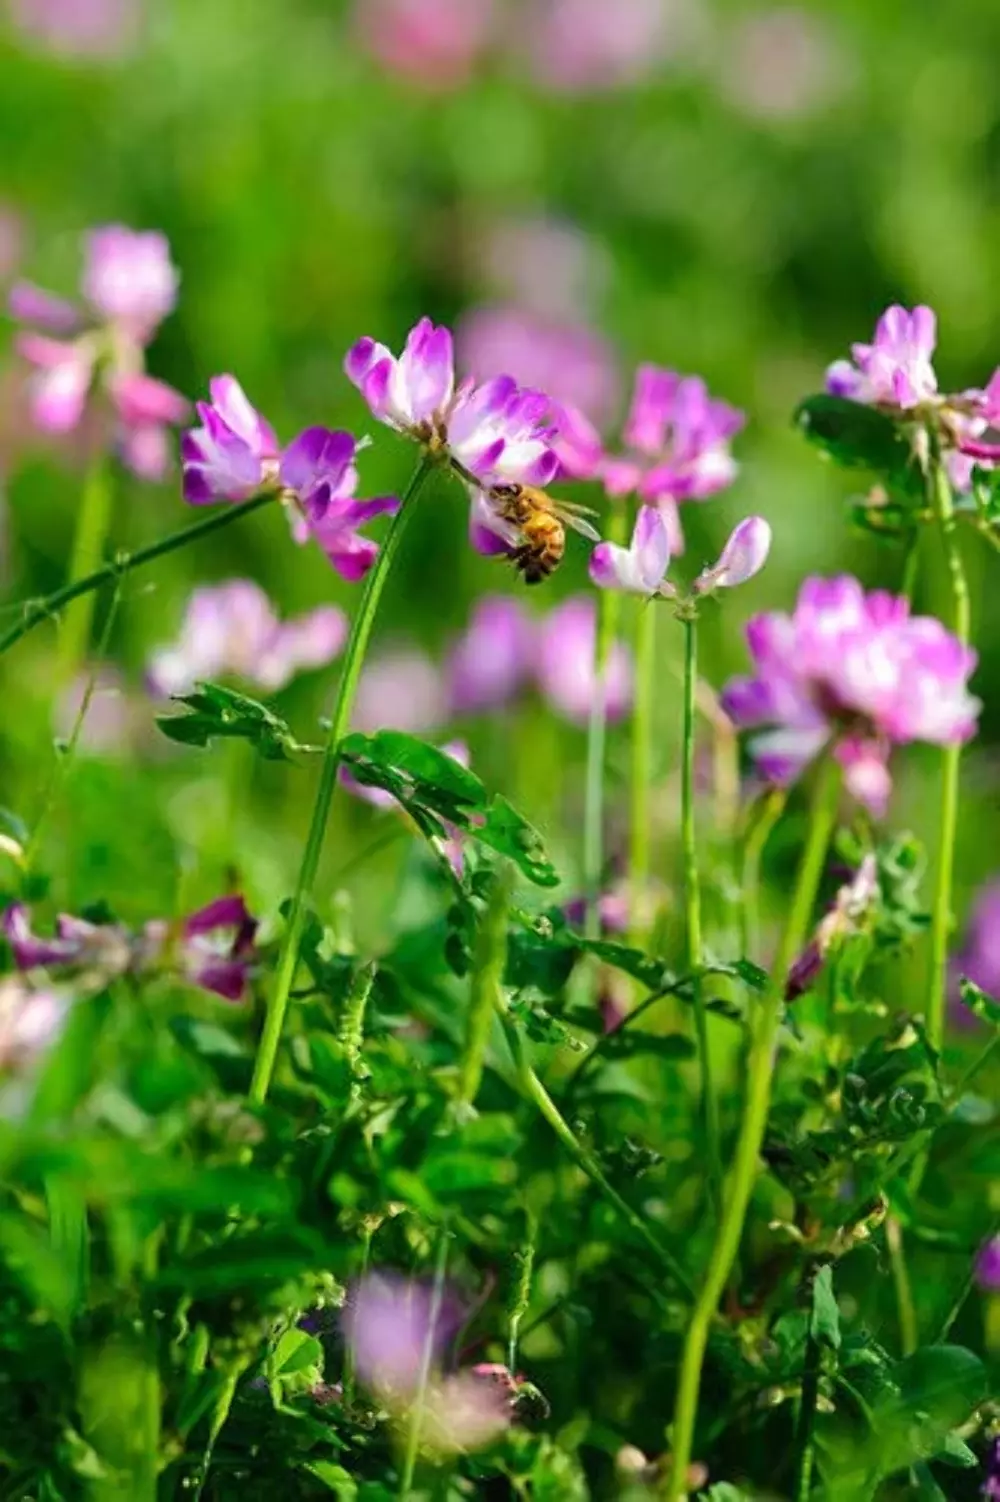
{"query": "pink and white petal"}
[(59, 395), (31, 304)]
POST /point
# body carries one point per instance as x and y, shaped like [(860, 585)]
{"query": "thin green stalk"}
[(754, 845), (536, 1092), (911, 566), (484, 989), (267, 1050), (220, 1414), (36, 611), (524, 1259), (369, 1228), (692, 900), (640, 811), (760, 1068), (950, 765), (909, 1337), (93, 520), (804, 1446), (426, 1356), (609, 609)]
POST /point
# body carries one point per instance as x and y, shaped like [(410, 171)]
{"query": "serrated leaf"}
[(215, 712), (855, 436)]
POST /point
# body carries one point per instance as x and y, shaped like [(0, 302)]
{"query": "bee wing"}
[(573, 509), (579, 524)]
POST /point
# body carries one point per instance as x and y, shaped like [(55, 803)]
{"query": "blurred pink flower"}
[(492, 661), (109, 721), (549, 267), (856, 670), (130, 285), (979, 958), (393, 1325), (436, 43), (580, 46), (565, 359), (400, 690), (781, 64), (988, 1273), (31, 1020), (79, 28), (11, 240), (232, 629), (896, 369), (565, 663)]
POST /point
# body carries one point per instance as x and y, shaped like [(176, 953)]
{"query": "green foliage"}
[(857, 436), (219, 713)]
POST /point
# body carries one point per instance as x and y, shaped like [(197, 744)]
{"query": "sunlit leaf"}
[(218, 713)]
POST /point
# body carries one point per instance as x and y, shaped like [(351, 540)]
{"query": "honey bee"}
[(538, 527)]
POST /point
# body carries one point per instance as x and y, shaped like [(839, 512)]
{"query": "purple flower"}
[(847, 914), (130, 286), (401, 690), (130, 280), (895, 370), (496, 432), (565, 663), (213, 948), (435, 43), (743, 556), (677, 441), (579, 46), (641, 567), (235, 454), (391, 1324), (492, 661), (856, 670), (988, 1265), (30, 1021), (565, 359), (232, 629), (78, 28), (991, 1480)]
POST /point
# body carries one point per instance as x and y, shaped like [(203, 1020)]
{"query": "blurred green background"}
[(733, 189)]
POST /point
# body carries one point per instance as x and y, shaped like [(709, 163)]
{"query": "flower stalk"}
[(593, 826), (760, 1070), (640, 811), (357, 646), (951, 755), (93, 520)]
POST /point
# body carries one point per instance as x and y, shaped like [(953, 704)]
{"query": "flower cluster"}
[(896, 372), (641, 568), (235, 454), (391, 1323), (854, 671), (129, 286), (213, 948), (232, 628)]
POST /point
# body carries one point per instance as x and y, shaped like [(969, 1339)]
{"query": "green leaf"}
[(540, 1025), (979, 1002), (825, 1311), (334, 1478), (295, 1352), (509, 832), (245, 1263), (215, 712), (750, 974), (855, 436), (418, 762), (653, 973), (954, 1451)]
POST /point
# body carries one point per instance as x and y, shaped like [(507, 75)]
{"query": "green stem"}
[(640, 811), (609, 607), (754, 845), (804, 1446), (908, 1331), (93, 520), (484, 990), (760, 1068), (692, 898), (950, 766), (220, 1414), (524, 1261), (351, 1032), (36, 611), (267, 1050), (426, 1356), (536, 1092), (911, 566)]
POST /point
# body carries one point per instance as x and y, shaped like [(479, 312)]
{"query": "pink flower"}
[(677, 440), (782, 63), (856, 670), (565, 663), (541, 266), (31, 1020), (743, 556), (563, 358), (988, 1277), (496, 432), (979, 958), (641, 567), (895, 370), (130, 280), (79, 28), (232, 629), (581, 45), (493, 660), (436, 43), (400, 690), (235, 454), (130, 285), (391, 1325)]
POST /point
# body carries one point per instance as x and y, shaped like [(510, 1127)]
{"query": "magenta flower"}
[(436, 43), (235, 454), (78, 28), (130, 285), (492, 661), (213, 948), (581, 46), (496, 432), (990, 1488), (641, 567), (744, 555), (391, 1324), (895, 370), (979, 957), (851, 906), (232, 629), (31, 1020), (856, 671), (564, 358), (565, 663), (988, 1265), (677, 441)]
